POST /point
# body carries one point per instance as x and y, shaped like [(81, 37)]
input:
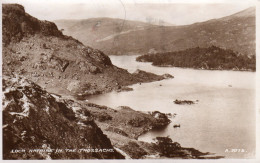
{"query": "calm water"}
[(224, 117)]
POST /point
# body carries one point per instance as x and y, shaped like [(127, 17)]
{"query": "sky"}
[(170, 11)]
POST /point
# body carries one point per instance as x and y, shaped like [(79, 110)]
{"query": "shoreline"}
[(124, 135), (192, 68), (246, 70)]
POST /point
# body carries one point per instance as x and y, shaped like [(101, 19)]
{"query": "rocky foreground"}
[(33, 119), (40, 125)]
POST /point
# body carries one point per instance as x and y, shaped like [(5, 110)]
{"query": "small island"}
[(184, 102)]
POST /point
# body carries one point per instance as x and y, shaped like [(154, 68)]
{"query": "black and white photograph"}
[(128, 79)]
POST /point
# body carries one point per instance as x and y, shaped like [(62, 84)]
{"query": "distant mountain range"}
[(120, 37), (95, 31)]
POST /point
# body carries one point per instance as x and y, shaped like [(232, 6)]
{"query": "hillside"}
[(211, 58), (60, 64), (43, 71), (235, 32), (34, 119), (94, 30)]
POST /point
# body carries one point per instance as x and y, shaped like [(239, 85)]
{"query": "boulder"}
[(167, 76)]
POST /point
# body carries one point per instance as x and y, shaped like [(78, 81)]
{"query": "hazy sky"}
[(174, 13)]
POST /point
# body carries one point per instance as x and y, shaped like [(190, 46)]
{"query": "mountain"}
[(44, 72), (94, 30), (39, 51), (235, 32)]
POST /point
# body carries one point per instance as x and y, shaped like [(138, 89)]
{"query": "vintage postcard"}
[(125, 79)]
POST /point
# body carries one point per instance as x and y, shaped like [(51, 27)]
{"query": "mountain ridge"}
[(235, 32)]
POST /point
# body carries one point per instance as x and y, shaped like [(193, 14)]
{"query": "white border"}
[(255, 2)]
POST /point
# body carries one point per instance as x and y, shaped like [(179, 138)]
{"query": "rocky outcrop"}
[(167, 76), (40, 52), (172, 149), (161, 119), (18, 24), (133, 123), (35, 119), (134, 150), (127, 124), (150, 76)]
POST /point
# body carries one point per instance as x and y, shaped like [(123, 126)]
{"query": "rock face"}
[(34, 119), (40, 52), (18, 24), (161, 119)]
